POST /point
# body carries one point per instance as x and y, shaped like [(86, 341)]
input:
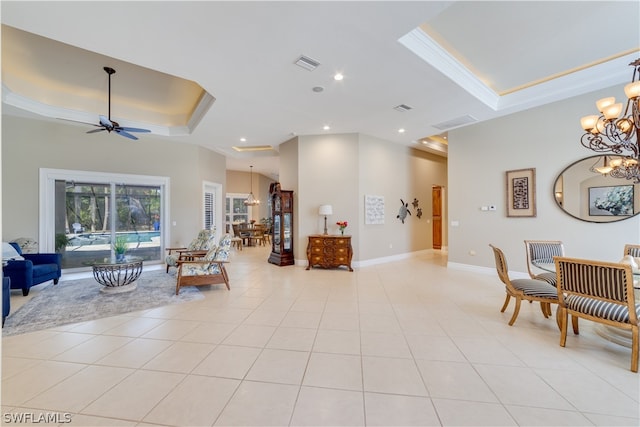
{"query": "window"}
[(236, 211)]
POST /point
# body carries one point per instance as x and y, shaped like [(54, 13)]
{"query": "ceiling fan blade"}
[(126, 134), (96, 130), (133, 129)]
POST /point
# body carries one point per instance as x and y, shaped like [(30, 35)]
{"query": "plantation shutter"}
[(209, 209)]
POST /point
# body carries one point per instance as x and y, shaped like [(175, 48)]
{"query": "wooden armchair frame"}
[(598, 291), (205, 279)]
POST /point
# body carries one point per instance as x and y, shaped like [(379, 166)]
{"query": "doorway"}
[(436, 202)]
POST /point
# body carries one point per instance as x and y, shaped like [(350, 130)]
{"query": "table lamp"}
[(325, 210)]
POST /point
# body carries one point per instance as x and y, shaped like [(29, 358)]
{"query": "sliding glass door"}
[(91, 210)]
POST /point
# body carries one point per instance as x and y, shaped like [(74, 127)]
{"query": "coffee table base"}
[(117, 278), (119, 289)]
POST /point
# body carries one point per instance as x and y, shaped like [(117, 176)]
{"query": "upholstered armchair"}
[(209, 270), (27, 270), (6, 298), (198, 247)]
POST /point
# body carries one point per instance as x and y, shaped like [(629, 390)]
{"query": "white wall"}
[(28, 145), (545, 138)]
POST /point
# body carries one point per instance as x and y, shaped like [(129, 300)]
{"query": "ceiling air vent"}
[(457, 122), (307, 63), (402, 108)]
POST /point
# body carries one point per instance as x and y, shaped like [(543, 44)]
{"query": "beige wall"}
[(545, 138), (28, 145), (341, 169), (239, 182)]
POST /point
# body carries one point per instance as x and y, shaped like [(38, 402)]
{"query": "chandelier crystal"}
[(613, 132), (251, 200)]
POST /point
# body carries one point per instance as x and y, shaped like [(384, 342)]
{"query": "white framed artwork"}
[(373, 209)]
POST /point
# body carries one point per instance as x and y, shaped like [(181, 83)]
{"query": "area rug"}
[(81, 300)]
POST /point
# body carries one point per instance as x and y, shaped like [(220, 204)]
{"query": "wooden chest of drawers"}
[(329, 251)]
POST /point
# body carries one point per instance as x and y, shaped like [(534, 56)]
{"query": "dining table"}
[(610, 333), (254, 233)]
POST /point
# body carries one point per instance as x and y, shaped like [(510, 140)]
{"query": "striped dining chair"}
[(523, 289), (542, 251), (598, 291), (633, 250)]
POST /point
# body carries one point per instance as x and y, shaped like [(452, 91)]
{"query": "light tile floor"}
[(403, 343)]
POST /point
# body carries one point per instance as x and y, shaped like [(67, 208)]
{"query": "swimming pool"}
[(85, 239)]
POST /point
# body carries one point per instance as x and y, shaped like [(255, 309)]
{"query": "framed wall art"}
[(607, 201), (373, 209), (521, 193)]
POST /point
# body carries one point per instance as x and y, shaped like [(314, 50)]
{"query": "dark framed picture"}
[(611, 201), (521, 193)]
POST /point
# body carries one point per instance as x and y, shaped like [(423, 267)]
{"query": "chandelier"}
[(251, 201), (612, 132), (621, 167)]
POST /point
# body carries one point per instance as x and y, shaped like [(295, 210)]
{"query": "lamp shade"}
[(325, 210)]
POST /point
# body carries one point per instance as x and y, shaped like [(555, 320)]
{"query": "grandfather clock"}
[(282, 238)]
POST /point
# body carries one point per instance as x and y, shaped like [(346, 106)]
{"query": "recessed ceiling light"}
[(326, 127), (338, 76), (401, 130), (243, 139)]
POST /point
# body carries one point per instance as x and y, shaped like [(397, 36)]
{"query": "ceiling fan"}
[(110, 125)]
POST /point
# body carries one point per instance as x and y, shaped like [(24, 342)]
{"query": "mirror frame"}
[(593, 159)]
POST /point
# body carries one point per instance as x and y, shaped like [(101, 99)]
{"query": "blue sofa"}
[(6, 298), (33, 270)]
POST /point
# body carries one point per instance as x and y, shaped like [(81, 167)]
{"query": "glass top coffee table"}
[(118, 276)]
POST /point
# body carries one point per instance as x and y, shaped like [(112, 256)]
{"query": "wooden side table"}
[(329, 251)]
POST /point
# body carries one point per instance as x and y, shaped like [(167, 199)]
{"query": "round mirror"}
[(588, 195)]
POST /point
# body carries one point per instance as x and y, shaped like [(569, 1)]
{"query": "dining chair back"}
[(598, 291), (523, 289), (542, 251), (633, 250)]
